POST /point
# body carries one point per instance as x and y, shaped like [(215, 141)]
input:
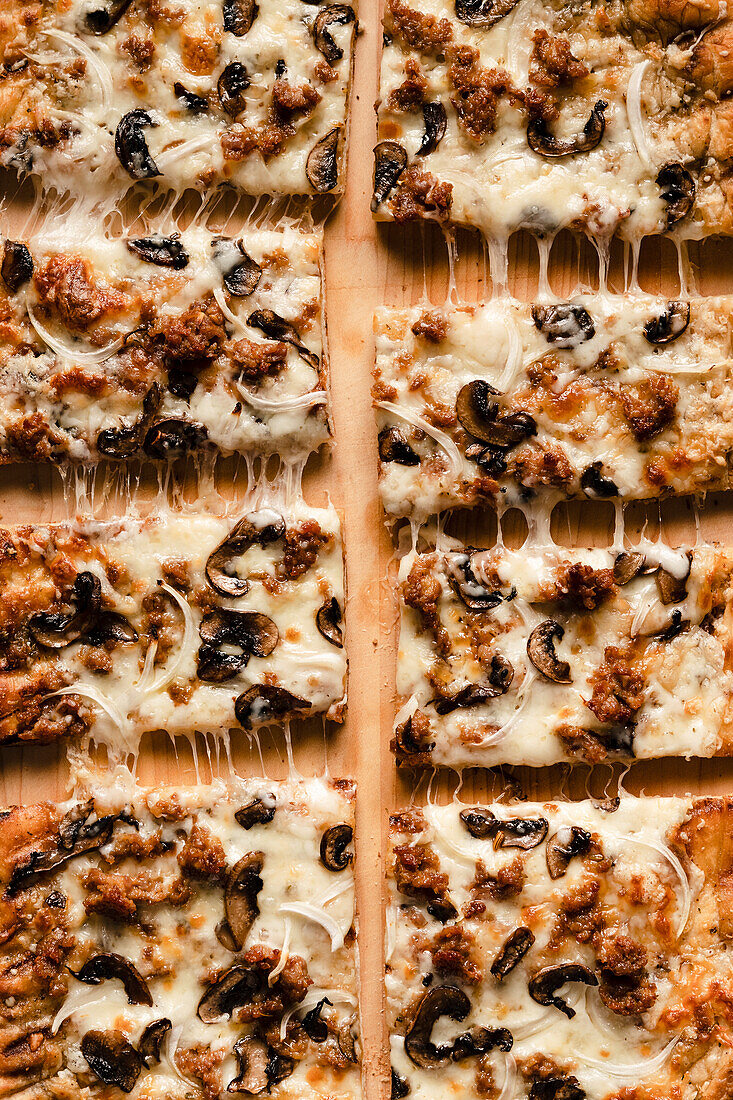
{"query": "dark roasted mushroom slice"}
[(239, 15), (557, 1088), (173, 438), (677, 188), (563, 846), (315, 1028), (594, 484), (110, 626), (103, 18), (76, 835), (257, 528), (390, 161), (255, 634), (334, 844), (435, 122), (321, 167), (393, 447), (513, 950), (512, 832), (467, 587), (162, 251), (54, 630), (240, 273), (483, 13), (256, 812), (196, 104), (672, 589), (481, 1040), (17, 265), (475, 695), (149, 1046), (131, 147), (263, 703), (479, 415), (182, 383), (480, 823), (231, 87), (541, 652), (125, 442), (541, 141), (112, 1058), (543, 985), (232, 989), (253, 1058), (328, 621), (668, 326), (564, 325), (446, 1000), (276, 328), (108, 965), (400, 1087), (628, 565), (334, 14), (677, 625), (240, 896)]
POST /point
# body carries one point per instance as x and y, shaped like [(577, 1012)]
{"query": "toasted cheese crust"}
[(170, 890), (570, 949), (544, 654), (175, 622)]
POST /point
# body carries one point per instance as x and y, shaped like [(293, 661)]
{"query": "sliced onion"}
[(284, 953), (418, 421), (188, 643), (101, 71), (523, 697), (667, 854), (311, 999), (88, 691), (81, 997), (282, 404), (634, 112), (187, 148), (319, 916), (633, 1070), (514, 357), (510, 1077), (84, 358), (222, 304)]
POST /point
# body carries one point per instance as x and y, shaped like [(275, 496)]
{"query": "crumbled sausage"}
[(552, 62), (508, 881), (408, 821), (202, 1063), (289, 987), (583, 587), (410, 95), (431, 325), (453, 955), (30, 1057), (422, 591), (580, 914), (202, 856), (66, 284), (33, 438), (412, 741), (418, 29), (140, 50), (176, 572), (254, 361), (621, 955), (420, 195), (289, 101), (45, 721), (627, 996), (196, 333), (582, 743), (417, 872), (117, 896), (133, 845), (302, 545), (542, 465), (618, 687), (478, 92), (649, 407)]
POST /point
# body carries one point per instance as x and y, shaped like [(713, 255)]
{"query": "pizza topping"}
[(673, 588), (339, 14), (480, 417), (231, 87), (393, 447), (443, 1001), (245, 986), (481, 1040), (552, 61), (321, 167), (260, 528), (276, 328), (263, 703), (583, 587), (131, 147), (174, 438), (240, 897), (54, 630), (650, 406), (542, 141), (678, 191), (390, 161), (467, 587), (253, 1064), (669, 325), (196, 104), (618, 687), (513, 832), (241, 274), (260, 811), (483, 13), (109, 965), (149, 1045), (334, 845), (595, 484), (541, 652), (627, 566), (202, 856), (17, 265), (564, 325), (475, 695), (239, 15), (101, 20), (563, 846), (435, 122), (400, 1087), (112, 1058), (254, 633), (544, 984), (76, 835), (328, 621), (162, 251), (513, 950)]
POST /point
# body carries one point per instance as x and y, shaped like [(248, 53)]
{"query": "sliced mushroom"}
[(276, 328), (390, 161), (255, 634), (475, 695), (393, 447), (563, 1087), (110, 626), (263, 703), (231, 87), (279, 1067), (321, 167), (541, 141), (627, 566), (240, 273), (328, 621), (111, 1058), (513, 950), (182, 383), (315, 1028), (543, 985), (17, 265), (564, 325), (239, 15), (108, 965), (161, 251), (668, 326), (541, 652), (124, 442), (173, 438), (446, 1000), (492, 460), (563, 846), (404, 745), (253, 1057), (672, 589), (512, 832), (149, 1046), (54, 630), (236, 987), (131, 147), (480, 417), (594, 484), (400, 1087), (676, 626), (240, 896), (467, 587), (196, 104), (102, 19), (76, 835), (256, 812), (334, 14), (435, 122), (481, 1040), (677, 187), (334, 845), (257, 528), (483, 13)]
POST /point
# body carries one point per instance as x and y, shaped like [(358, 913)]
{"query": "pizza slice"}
[(600, 397), (178, 943), (545, 654), (566, 950), (176, 622), (160, 346), (542, 116), (98, 94)]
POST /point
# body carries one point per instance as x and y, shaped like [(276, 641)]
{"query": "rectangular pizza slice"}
[(561, 951), (175, 622), (96, 94), (599, 397), (159, 346), (545, 654), (518, 114), (181, 943)]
